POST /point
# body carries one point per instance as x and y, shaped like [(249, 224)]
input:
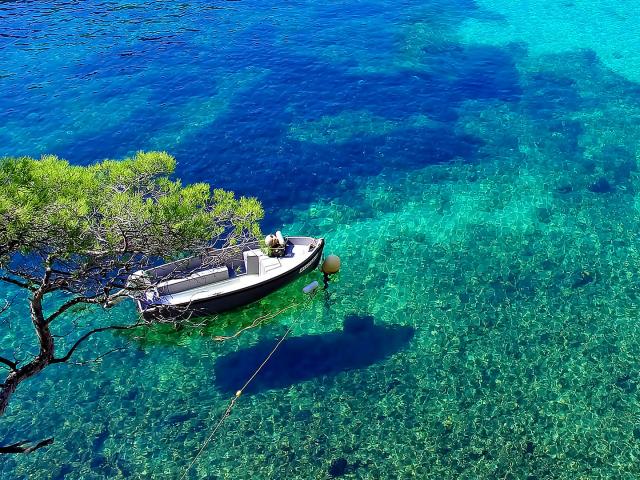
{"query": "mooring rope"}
[(256, 323), (235, 398)]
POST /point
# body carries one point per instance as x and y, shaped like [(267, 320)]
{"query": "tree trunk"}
[(35, 366)]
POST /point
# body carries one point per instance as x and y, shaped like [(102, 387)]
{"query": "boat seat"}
[(195, 280), (269, 263), (252, 261)]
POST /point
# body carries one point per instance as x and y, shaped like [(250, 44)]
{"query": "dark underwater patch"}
[(338, 467), (549, 93), (254, 131), (601, 185), (249, 143), (360, 344)]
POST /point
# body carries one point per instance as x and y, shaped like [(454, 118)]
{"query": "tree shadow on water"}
[(360, 343)]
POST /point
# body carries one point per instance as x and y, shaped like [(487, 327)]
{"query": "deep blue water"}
[(88, 81), (474, 163)]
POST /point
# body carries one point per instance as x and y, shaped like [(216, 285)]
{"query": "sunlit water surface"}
[(474, 164)]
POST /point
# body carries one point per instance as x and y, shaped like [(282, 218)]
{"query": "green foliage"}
[(128, 206)]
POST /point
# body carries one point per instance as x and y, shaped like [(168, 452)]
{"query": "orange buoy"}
[(331, 264)]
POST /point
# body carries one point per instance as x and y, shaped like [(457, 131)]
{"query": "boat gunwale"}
[(151, 306), (207, 251)]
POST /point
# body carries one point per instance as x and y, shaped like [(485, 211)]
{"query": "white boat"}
[(224, 278)]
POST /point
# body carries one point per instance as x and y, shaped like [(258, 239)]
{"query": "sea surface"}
[(473, 163)]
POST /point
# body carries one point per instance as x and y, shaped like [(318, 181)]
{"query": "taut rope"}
[(235, 398)]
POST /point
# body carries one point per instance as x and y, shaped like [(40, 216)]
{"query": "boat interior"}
[(246, 262)]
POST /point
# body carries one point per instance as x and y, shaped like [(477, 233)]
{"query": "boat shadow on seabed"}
[(360, 343)]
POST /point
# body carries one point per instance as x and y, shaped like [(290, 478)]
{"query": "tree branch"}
[(17, 282), (12, 365), (21, 448), (49, 255), (5, 307), (99, 358), (63, 308), (92, 332)]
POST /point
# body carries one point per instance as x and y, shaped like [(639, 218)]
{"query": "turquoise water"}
[(474, 164)]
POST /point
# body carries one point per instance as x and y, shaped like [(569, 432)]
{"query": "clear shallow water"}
[(473, 163)]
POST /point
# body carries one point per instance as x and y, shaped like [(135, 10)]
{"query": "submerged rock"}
[(179, 417), (565, 188), (602, 185), (543, 214), (626, 383), (582, 279), (303, 416), (529, 448), (338, 467)]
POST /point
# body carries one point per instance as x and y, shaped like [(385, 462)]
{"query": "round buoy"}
[(331, 264)]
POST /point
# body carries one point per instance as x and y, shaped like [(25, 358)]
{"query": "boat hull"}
[(228, 301)]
